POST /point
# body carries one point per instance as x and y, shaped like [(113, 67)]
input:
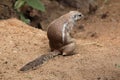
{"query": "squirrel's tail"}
[(39, 61)]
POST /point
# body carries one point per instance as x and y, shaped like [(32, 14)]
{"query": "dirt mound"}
[(97, 58)]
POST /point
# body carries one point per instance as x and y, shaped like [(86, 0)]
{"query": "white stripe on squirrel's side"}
[(63, 32)]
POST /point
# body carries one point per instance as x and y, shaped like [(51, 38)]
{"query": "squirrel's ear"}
[(75, 17)]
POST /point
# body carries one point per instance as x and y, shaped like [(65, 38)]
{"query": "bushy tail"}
[(39, 61)]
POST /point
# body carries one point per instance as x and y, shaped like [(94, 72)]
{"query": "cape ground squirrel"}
[(60, 40)]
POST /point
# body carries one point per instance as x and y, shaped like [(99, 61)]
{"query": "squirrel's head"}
[(75, 15)]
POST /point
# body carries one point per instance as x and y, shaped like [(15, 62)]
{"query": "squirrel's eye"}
[(79, 15)]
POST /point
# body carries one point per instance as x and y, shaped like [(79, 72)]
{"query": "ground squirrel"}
[(60, 40)]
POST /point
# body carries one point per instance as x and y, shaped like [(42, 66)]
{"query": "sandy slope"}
[(97, 58)]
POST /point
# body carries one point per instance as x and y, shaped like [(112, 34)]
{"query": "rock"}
[(87, 6)]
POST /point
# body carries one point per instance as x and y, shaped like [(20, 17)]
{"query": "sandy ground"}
[(97, 58)]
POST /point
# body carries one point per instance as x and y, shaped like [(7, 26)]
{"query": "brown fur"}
[(55, 33)]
